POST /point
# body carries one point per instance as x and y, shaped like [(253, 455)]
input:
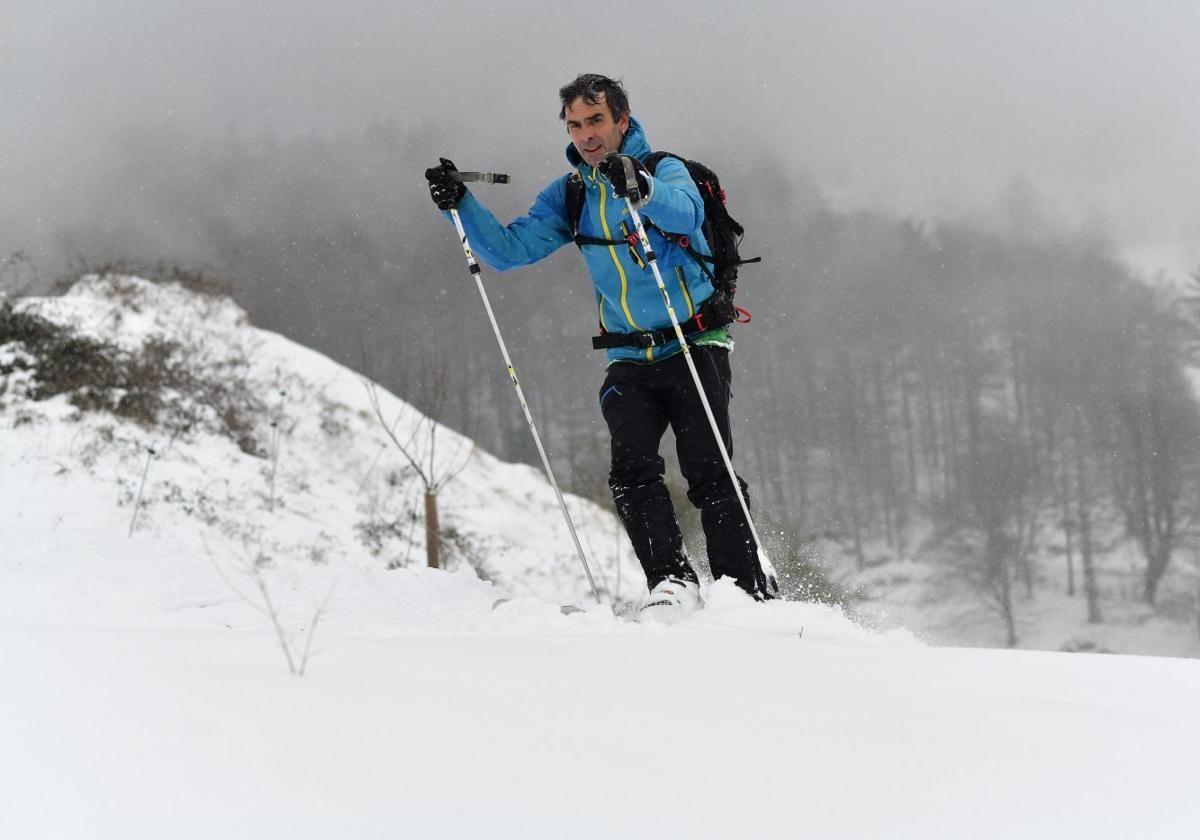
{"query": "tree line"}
[(988, 397)]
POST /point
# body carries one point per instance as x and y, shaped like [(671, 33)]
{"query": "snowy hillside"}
[(145, 693), (263, 451)]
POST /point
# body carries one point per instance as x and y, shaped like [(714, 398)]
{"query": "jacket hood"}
[(634, 144)]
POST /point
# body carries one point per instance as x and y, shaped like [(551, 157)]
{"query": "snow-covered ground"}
[(461, 721), (144, 692)]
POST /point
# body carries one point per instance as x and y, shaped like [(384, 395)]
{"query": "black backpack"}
[(723, 235)]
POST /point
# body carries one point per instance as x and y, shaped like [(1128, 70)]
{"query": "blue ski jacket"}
[(627, 296)]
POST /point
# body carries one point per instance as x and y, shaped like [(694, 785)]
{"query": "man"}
[(647, 388)]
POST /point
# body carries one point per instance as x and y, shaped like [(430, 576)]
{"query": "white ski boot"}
[(671, 601)]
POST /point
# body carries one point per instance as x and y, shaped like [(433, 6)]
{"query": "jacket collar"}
[(634, 144)]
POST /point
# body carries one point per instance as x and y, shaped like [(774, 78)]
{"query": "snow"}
[(143, 697)]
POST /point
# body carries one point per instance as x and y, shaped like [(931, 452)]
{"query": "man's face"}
[(593, 131)]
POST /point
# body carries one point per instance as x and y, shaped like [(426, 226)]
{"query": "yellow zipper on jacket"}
[(616, 260), (691, 309), (683, 288)]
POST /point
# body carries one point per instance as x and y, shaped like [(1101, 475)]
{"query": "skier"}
[(647, 387)]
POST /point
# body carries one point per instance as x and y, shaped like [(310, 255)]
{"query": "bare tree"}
[(297, 656), (420, 450), (991, 521), (1081, 483), (1160, 421)]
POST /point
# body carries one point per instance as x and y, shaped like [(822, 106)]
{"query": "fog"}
[(924, 107), (968, 214)]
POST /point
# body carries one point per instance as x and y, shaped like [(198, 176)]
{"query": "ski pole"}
[(512, 375), (764, 561)]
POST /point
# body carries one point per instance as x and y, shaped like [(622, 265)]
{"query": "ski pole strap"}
[(485, 177)]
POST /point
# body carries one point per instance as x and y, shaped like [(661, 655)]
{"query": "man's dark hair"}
[(592, 87)]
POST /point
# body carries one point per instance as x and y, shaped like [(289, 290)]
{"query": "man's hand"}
[(618, 169), (446, 191)]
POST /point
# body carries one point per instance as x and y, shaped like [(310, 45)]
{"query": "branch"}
[(312, 627), (229, 583), (284, 642), (267, 608), (373, 396), (454, 472)]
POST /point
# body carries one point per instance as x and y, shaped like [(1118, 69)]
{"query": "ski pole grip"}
[(631, 184), (485, 177)]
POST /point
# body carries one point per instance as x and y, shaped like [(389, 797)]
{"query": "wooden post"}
[(431, 530)]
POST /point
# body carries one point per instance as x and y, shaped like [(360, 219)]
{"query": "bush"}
[(153, 386), (65, 362)]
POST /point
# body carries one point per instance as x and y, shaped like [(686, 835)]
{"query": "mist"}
[(925, 108), (973, 217)]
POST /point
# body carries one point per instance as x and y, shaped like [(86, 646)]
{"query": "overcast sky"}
[(917, 106)]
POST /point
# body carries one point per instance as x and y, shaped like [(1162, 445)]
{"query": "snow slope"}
[(143, 697), (319, 473)]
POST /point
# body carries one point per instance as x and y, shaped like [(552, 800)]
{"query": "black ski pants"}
[(639, 402)]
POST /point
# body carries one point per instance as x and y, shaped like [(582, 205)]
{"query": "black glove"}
[(446, 192), (612, 166)]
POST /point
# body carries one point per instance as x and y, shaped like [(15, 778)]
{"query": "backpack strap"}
[(712, 314), (575, 200), (685, 243), (655, 158), (693, 326)]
